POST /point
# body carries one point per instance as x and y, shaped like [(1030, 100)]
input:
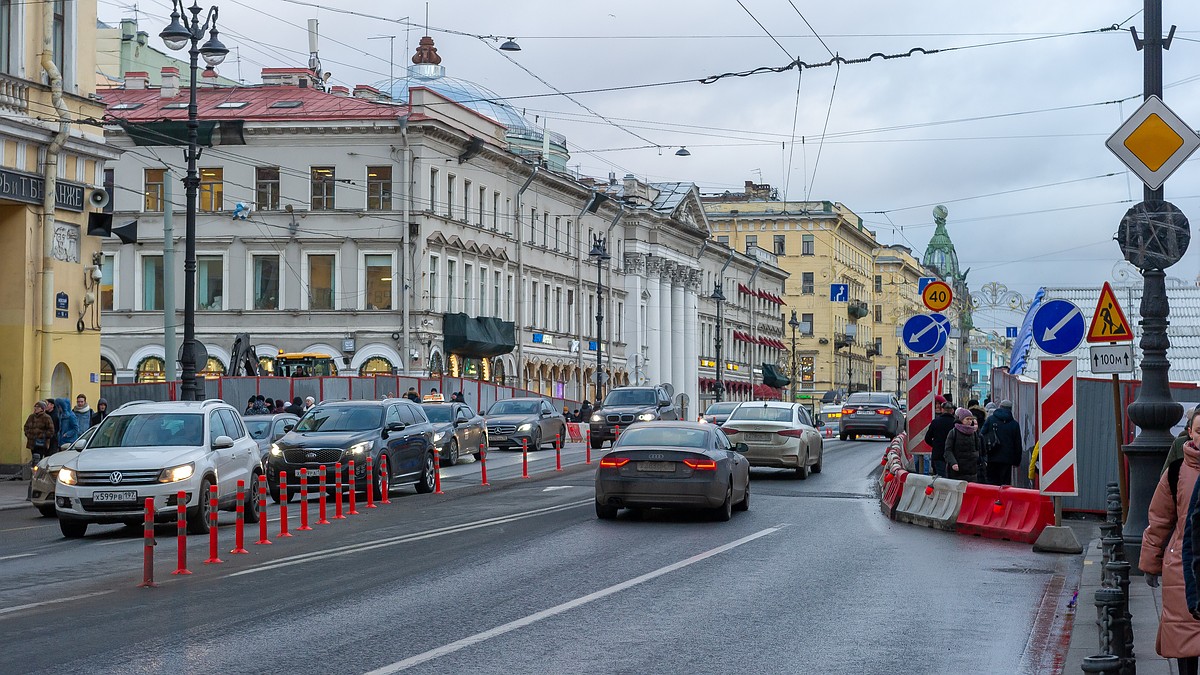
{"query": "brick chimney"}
[(339, 90), (370, 93), (170, 82), (137, 80)]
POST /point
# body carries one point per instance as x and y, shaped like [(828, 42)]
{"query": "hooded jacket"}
[(1007, 449), (99, 415), (83, 416), (68, 423), (1162, 553)]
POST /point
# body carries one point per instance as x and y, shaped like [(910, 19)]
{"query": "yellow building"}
[(897, 275), (48, 268), (840, 345)]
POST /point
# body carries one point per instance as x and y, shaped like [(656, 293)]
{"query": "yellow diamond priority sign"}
[(1153, 142)]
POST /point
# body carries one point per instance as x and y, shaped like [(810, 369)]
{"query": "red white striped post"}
[(262, 511), (483, 464), (181, 533), (353, 511), (370, 482), (283, 502), (239, 535), (148, 548), (616, 435), (588, 446), (304, 501), (437, 473), (384, 486), (321, 501), (557, 452), (337, 492), (212, 527), (524, 458)]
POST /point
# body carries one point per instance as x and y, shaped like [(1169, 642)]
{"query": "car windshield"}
[(664, 436), (149, 430), (515, 408), (438, 414), (756, 413), (870, 399), (630, 397), (721, 408), (259, 429), (341, 418)]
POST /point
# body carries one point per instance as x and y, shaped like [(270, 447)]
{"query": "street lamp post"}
[(719, 297), (794, 323), (176, 36), (899, 367), (599, 254)]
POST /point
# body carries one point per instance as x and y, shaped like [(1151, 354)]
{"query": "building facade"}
[(941, 259), (126, 48), (897, 278), (988, 350)]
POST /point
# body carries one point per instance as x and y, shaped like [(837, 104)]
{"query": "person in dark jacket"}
[(935, 437), (1006, 453), (978, 411), (68, 424), (39, 431), (963, 448), (585, 412), (53, 411), (100, 413), (412, 395), (297, 406)]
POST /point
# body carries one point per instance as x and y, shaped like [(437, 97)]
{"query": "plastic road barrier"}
[(321, 502), (937, 507), (262, 511), (575, 431), (1003, 512), (371, 481), (284, 498), (337, 492), (890, 493), (483, 464)]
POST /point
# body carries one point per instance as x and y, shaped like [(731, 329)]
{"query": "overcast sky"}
[(1027, 118)]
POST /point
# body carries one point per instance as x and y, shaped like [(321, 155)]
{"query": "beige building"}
[(897, 275), (50, 173)]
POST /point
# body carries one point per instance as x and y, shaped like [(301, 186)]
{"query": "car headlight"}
[(597, 417), (438, 436), (177, 473), (66, 476), (276, 451), (525, 427), (359, 448), (645, 417)]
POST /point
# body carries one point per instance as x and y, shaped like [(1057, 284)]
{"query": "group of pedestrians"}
[(54, 424), (970, 444), (261, 405)]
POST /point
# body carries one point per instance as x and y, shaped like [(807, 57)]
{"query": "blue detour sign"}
[(1058, 327), (839, 292), (923, 334)]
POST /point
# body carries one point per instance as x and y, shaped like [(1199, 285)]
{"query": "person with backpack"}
[(1163, 554), (1002, 444), (964, 449)]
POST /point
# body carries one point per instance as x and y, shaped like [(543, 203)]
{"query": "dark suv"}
[(395, 429), (626, 405)]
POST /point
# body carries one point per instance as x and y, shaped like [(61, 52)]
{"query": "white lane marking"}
[(406, 538), (19, 555), (553, 488), (27, 527), (564, 607), (18, 608), (139, 540)]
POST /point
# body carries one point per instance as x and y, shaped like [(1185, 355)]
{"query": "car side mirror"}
[(820, 423), (461, 422), (741, 447), (395, 426), (544, 414), (222, 442), (664, 404), (288, 427)]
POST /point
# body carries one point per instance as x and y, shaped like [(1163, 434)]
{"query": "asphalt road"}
[(521, 577)]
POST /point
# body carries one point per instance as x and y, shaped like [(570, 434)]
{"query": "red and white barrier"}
[(557, 452), (575, 431), (148, 546), (181, 533), (371, 481), (524, 458), (337, 492), (353, 511), (921, 388), (321, 502), (262, 511), (483, 464), (1056, 427), (212, 527), (284, 498)]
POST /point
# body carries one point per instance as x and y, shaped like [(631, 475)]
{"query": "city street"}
[(521, 577)]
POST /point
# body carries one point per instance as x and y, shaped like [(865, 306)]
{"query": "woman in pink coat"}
[(1162, 554)]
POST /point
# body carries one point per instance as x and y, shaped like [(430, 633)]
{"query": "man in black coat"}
[(935, 436), (1006, 452)]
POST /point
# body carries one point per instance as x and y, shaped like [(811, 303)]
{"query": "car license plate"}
[(313, 474), (661, 467), (759, 438), (497, 437), (118, 497)]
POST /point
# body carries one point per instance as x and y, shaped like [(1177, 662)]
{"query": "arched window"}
[(435, 364), (213, 369), (108, 373), (497, 371), (376, 365), (151, 369)]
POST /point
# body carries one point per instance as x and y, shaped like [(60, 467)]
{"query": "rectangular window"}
[(433, 283), (468, 287), (154, 189), (265, 269), (723, 239), (321, 282), (60, 36), (379, 188), (450, 304), (751, 243), (807, 369), (806, 283), (780, 246), (210, 283), (546, 307), (7, 32), (466, 214), (807, 245), (378, 286), (483, 281), (806, 324), (557, 232), (558, 309), (495, 294), (152, 282), (212, 189), (511, 298), (451, 179), (482, 201), (266, 187), (620, 312), (323, 179), (878, 313), (106, 282), (974, 356), (433, 190), (495, 210), (878, 283), (533, 305)]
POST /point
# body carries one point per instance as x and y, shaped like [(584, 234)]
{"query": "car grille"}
[(301, 455), (108, 507), (503, 430), (619, 419), (130, 477)]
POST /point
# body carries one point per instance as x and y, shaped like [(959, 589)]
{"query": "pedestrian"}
[(53, 411), (279, 408), (412, 395), (260, 406), (270, 403), (978, 411), (297, 406), (574, 417), (1002, 444), (101, 412), (83, 412), (309, 402), (250, 405), (299, 372), (964, 450), (1177, 445), (1163, 554), (457, 397), (68, 424), (585, 411), (567, 414), (935, 437), (39, 430)]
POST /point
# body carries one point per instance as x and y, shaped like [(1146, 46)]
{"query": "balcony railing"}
[(14, 94)]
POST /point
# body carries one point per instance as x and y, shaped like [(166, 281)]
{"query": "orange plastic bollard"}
[(283, 502), (337, 492), (212, 527), (148, 548), (483, 464), (239, 534), (524, 458), (353, 511), (370, 483), (322, 520), (384, 484), (437, 473), (588, 446), (557, 452), (262, 511), (304, 501), (181, 533)]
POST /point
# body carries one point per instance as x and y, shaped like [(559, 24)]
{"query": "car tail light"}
[(613, 462), (701, 464), (730, 430), (885, 411), (847, 411), (793, 433)]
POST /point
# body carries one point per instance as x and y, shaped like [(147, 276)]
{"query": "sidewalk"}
[(1145, 605), (13, 494)]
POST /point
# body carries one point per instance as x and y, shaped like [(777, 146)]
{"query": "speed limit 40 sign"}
[(937, 295)]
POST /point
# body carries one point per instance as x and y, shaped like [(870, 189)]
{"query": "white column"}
[(678, 356), (650, 329), (632, 322), (663, 325), (691, 350)]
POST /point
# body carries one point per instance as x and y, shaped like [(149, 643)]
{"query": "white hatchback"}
[(777, 434), (157, 450)]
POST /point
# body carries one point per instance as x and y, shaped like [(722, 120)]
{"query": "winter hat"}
[(939, 399), (1006, 404), (38, 405), (102, 402), (962, 414)]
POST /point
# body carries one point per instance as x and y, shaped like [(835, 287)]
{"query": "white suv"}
[(157, 450)]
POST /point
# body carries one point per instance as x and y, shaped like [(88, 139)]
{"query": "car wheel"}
[(251, 515), (47, 511), (605, 511), (725, 511), (802, 468), (72, 529), (425, 483), (452, 456), (843, 436), (535, 442), (744, 505), (816, 468), (197, 519)]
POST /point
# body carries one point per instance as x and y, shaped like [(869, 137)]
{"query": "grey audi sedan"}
[(673, 465)]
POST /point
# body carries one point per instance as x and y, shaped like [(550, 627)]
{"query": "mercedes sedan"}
[(673, 465)]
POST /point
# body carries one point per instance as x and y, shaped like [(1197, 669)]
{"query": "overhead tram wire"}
[(824, 130), (810, 27)]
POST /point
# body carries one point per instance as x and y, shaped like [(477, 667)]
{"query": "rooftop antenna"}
[(391, 61), (314, 61), (237, 56)]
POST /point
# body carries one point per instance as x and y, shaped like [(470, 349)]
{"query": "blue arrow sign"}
[(944, 324), (923, 282), (839, 292), (1011, 331), (1058, 327), (923, 334)]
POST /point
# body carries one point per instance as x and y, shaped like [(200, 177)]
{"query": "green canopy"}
[(479, 337), (773, 377)]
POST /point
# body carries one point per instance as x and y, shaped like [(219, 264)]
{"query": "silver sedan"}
[(778, 435)]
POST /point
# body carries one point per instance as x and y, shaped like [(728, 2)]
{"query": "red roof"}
[(313, 105)]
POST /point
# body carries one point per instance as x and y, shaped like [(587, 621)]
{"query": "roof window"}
[(286, 104), (232, 104), (126, 106)]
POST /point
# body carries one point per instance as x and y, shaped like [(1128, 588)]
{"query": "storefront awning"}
[(773, 377), (479, 337)]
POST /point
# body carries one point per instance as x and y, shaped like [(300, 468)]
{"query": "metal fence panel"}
[(119, 394), (326, 388), (361, 388), (236, 391)]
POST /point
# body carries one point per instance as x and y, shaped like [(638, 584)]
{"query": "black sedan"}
[(673, 465), (455, 427)]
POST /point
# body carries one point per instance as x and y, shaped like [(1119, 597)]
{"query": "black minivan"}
[(394, 433)]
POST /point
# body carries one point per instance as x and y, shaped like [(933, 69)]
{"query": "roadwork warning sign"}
[(1108, 322)]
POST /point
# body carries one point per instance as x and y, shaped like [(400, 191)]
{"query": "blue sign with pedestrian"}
[(1058, 327), (839, 292), (1011, 332), (923, 282), (923, 334)]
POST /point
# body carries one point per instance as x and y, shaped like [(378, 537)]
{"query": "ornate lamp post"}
[(899, 375), (794, 323), (599, 255), (719, 297), (176, 36)]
